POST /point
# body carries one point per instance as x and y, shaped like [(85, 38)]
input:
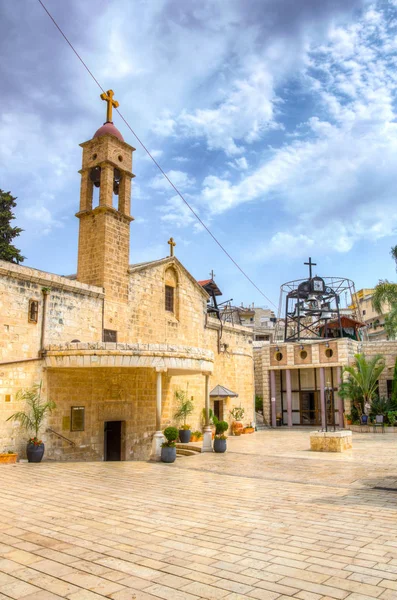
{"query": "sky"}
[(276, 120)]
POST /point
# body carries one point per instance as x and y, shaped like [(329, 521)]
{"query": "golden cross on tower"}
[(172, 245), (108, 97)]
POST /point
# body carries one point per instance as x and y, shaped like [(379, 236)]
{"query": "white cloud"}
[(41, 219), (336, 184), (155, 153), (243, 115), (177, 213), (180, 179), (239, 163)]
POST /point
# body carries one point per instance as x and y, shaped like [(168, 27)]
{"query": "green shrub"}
[(392, 417), (170, 434), (258, 404), (221, 427)]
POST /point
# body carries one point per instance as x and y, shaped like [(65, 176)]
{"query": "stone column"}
[(273, 398), (289, 397), (340, 400), (322, 398), (106, 187), (158, 437), (207, 437)]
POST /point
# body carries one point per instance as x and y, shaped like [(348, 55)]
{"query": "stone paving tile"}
[(268, 521)]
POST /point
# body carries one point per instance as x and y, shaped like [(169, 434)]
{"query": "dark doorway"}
[(113, 440), (218, 409), (309, 408)]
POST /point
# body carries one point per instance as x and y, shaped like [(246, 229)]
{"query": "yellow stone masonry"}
[(99, 339)]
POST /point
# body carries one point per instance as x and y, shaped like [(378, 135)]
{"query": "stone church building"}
[(113, 343)]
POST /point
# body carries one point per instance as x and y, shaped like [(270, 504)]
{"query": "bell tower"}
[(104, 232)]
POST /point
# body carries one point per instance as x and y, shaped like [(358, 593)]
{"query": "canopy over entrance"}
[(220, 391)]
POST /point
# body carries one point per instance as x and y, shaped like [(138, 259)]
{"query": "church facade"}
[(113, 343)]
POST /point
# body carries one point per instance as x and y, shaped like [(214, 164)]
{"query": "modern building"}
[(374, 321)]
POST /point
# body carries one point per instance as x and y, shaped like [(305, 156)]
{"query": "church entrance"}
[(218, 409), (112, 449)]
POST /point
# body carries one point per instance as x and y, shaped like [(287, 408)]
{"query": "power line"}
[(154, 160)]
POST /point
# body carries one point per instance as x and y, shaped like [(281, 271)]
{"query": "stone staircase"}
[(187, 450)]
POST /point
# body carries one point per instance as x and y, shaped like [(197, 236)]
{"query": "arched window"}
[(171, 299)]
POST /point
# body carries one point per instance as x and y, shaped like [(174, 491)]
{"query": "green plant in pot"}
[(185, 409), (220, 437), (168, 448), (33, 419)]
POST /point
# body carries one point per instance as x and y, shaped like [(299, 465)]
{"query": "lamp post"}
[(329, 405)]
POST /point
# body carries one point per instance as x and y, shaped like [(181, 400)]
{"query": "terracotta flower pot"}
[(8, 459), (248, 430), (237, 428)]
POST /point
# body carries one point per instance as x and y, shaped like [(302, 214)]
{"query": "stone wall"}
[(388, 349), (75, 311)]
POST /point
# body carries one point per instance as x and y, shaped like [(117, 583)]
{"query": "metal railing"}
[(62, 437)]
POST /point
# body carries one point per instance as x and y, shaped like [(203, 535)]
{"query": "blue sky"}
[(275, 118)]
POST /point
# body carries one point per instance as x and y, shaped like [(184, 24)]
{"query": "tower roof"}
[(108, 127)]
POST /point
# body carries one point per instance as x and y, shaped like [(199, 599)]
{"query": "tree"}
[(37, 409), (362, 383), (185, 408), (7, 233), (385, 299), (394, 386)]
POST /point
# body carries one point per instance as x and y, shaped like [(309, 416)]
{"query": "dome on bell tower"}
[(108, 128)]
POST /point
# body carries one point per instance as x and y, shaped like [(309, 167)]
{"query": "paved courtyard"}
[(269, 520)]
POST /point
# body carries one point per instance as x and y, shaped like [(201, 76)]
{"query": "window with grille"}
[(109, 335), (33, 311), (169, 298)]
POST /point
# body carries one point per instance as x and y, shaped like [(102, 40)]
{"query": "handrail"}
[(60, 436)]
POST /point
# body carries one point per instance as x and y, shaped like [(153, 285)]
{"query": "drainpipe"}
[(46, 292)]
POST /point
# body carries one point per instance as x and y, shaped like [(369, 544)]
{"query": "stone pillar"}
[(322, 398), (207, 437), (340, 400), (158, 437), (273, 398), (125, 194), (86, 191), (289, 397), (106, 187)]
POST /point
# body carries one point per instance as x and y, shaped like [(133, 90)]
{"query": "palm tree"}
[(362, 382), (385, 300), (32, 420), (185, 408)]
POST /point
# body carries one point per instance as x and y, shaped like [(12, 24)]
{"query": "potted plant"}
[(248, 429), (237, 413), (392, 417), (168, 448), (33, 419), (220, 437), (348, 419), (197, 436), (8, 458), (185, 409)]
